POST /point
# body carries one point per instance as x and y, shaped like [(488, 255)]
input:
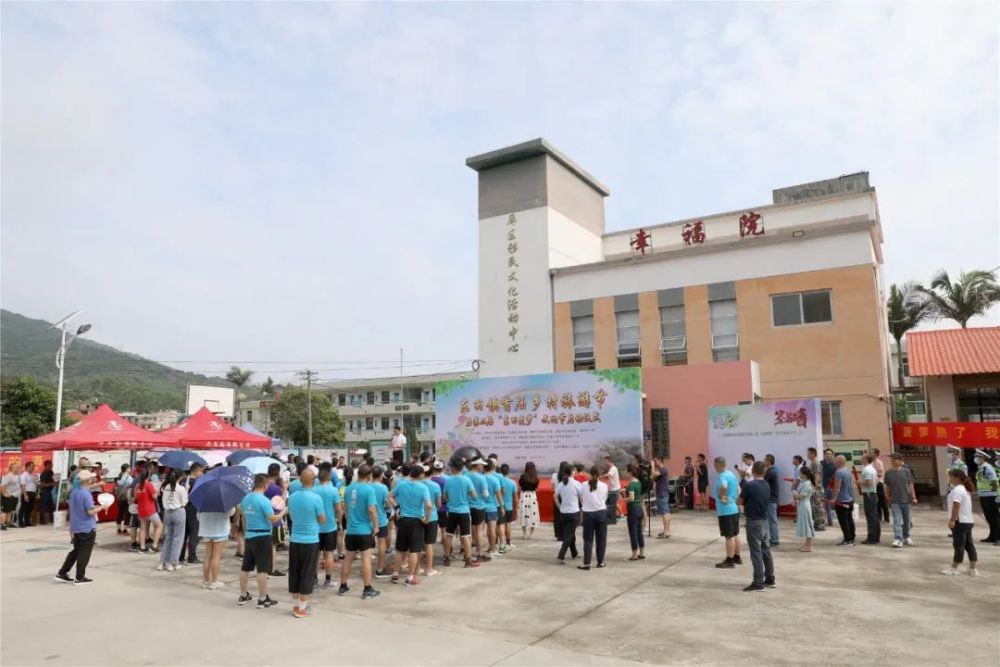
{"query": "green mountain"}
[(94, 372)]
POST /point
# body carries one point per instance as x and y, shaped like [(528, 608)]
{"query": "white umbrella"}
[(215, 456)]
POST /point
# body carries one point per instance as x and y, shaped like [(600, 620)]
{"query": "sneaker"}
[(908, 541), (161, 567), (432, 573), (328, 584), (842, 543), (395, 579), (770, 583), (948, 572), (238, 555), (472, 563), (382, 574), (193, 561), (171, 568), (495, 553), (135, 549), (301, 612), (898, 544), (274, 574), (753, 588), (281, 547), (369, 593), (82, 580), (343, 590), (412, 580), (390, 552), (736, 560), (484, 558), (266, 603), (244, 598), (973, 572), (216, 585), (63, 578), (726, 564), (446, 561), (206, 584)]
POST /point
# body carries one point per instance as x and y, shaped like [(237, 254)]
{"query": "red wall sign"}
[(939, 434)]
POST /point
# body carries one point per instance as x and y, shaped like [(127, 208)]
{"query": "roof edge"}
[(530, 149)]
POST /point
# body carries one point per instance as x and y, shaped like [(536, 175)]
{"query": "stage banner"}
[(781, 428), (577, 417)]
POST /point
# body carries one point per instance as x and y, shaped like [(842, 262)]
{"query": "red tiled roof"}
[(954, 351)]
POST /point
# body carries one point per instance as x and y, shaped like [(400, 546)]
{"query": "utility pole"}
[(308, 376)]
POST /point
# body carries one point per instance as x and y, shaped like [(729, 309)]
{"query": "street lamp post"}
[(66, 340)]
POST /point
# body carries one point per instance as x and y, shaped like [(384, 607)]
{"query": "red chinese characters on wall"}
[(751, 224), (797, 417), (642, 241), (693, 234)]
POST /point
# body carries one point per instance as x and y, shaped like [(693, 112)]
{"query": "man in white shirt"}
[(29, 491), (10, 492), (398, 444), (869, 490), (567, 494), (614, 484)]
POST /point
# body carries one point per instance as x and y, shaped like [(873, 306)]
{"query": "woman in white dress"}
[(528, 506)]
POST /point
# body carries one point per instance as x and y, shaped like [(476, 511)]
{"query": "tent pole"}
[(59, 490)]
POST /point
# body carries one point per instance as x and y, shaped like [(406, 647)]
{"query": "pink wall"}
[(687, 392)]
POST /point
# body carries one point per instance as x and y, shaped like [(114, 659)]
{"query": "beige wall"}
[(649, 329), (605, 333), (563, 337), (939, 392), (698, 325)]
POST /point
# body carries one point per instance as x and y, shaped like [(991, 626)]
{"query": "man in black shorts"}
[(458, 490), (414, 501), (306, 509), (727, 492), (362, 527), (257, 553)]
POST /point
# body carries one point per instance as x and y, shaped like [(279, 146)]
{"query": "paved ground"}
[(856, 606)]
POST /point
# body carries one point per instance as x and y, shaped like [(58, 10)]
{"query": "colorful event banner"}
[(575, 417), (781, 428), (939, 434)]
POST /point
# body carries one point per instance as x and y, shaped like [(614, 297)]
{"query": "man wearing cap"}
[(899, 494), (83, 526), (986, 488), (956, 462), (477, 507)]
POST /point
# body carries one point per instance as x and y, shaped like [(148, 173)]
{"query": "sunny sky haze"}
[(286, 182)]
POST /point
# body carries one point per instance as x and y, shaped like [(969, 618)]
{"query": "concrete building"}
[(793, 285), (258, 413), (372, 407), (153, 421), (960, 372)]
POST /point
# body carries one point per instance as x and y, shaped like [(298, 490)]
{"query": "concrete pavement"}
[(860, 605)]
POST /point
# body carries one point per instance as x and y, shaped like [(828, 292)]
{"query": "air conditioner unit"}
[(628, 350), (673, 344), (583, 354), (725, 341)]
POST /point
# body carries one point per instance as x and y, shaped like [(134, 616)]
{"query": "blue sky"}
[(286, 182)]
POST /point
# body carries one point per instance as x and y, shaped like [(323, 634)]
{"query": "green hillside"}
[(94, 372)]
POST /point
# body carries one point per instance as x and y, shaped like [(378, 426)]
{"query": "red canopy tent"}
[(203, 430), (101, 430)]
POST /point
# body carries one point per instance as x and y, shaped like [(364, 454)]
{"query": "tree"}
[(905, 309), (28, 409), (239, 377), (267, 387), (973, 294), (290, 420)]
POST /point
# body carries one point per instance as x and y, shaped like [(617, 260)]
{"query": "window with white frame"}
[(673, 335), (583, 341), (725, 330), (627, 325), (830, 418), (369, 423), (802, 308), (385, 423)]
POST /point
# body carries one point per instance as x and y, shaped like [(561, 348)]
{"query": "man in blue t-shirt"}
[(477, 506), (843, 501), (278, 532), (83, 526), (756, 498), (306, 510), (458, 492), (333, 509), (726, 492), (258, 553), (431, 529), (494, 500), (362, 528), (509, 490), (384, 509), (414, 500)]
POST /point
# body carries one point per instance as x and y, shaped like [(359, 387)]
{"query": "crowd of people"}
[(391, 517)]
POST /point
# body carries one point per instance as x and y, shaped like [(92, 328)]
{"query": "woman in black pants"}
[(594, 499), (556, 514), (636, 512), (568, 496), (960, 522)]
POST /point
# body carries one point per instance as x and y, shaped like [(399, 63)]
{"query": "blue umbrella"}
[(180, 459), (257, 464), (238, 456), (222, 489)]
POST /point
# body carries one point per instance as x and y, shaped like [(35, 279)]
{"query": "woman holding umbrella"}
[(216, 496)]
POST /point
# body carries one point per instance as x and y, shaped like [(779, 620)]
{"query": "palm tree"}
[(973, 294), (238, 377), (268, 387), (905, 309)]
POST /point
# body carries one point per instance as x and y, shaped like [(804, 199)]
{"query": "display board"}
[(548, 418), (781, 428)]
